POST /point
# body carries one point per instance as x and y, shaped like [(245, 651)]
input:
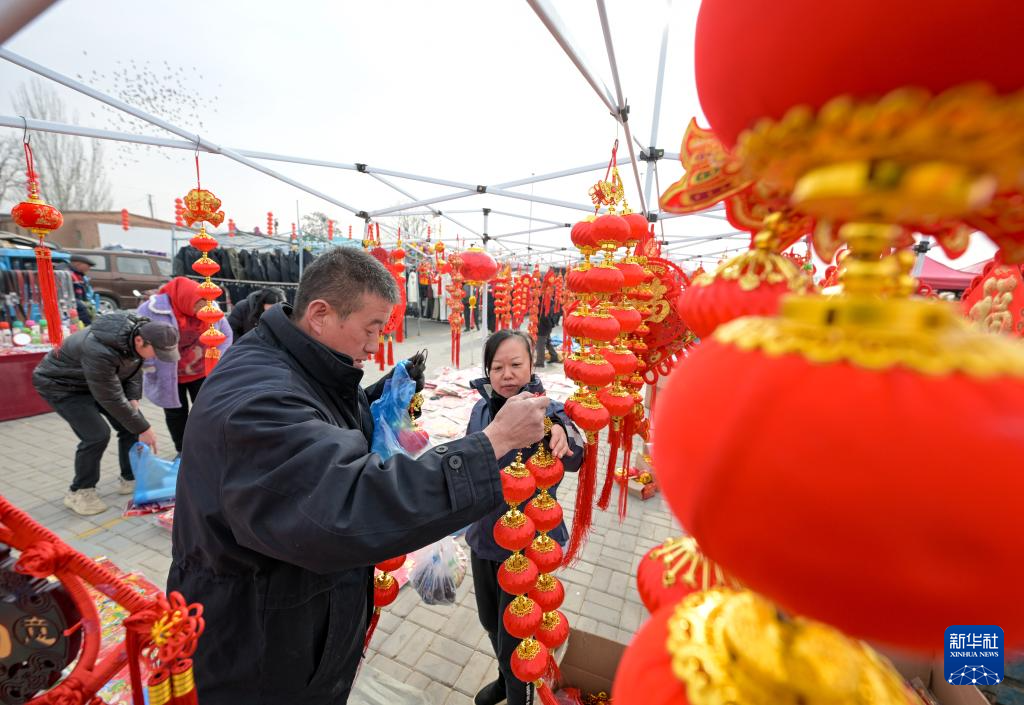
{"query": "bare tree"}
[(12, 167), (71, 169)]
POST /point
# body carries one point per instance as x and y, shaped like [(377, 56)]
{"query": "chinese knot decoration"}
[(201, 207), (40, 218), (161, 632)]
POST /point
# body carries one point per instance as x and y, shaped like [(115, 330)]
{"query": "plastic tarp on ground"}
[(939, 276)]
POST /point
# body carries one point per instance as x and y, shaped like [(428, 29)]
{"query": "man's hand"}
[(519, 424), (559, 442), (134, 403), (149, 438)]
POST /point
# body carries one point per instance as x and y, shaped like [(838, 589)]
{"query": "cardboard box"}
[(931, 674), (588, 662), (639, 489)]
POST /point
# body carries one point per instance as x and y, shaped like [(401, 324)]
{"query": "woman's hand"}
[(559, 442)]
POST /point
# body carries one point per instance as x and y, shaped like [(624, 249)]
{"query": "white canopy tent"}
[(524, 225)]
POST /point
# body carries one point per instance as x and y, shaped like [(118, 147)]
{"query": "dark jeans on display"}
[(177, 418), (491, 602), (89, 422)]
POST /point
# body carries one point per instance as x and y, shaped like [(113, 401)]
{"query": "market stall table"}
[(20, 397)]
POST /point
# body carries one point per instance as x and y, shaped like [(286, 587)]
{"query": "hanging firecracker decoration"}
[(40, 218), (501, 290), (455, 306), (330, 230), (520, 298), (671, 571), (270, 223), (232, 230), (733, 646), (536, 286), (202, 207), (394, 328), (179, 208), (124, 220)]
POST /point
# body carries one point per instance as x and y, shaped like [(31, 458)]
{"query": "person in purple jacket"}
[(508, 364)]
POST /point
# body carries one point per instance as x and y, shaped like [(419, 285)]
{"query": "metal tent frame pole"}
[(652, 164)]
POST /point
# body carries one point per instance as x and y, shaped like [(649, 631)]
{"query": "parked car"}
[(117, 274)]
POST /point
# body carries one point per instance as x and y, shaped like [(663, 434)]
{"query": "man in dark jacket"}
[(96, 374), (282, 509), (84, 305)]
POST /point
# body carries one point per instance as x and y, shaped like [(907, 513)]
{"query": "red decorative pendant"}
[(616, 400), (594, 371), (517, 484), (546, 474), (514, 530), (385, 590), (553, 629), (529, 661), (611, 231), (622, 360), (604, 279)]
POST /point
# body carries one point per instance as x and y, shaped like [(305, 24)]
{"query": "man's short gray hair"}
[(340, 277)]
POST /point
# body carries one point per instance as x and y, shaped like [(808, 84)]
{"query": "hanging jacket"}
[(101, 361), (160, 379), (282, 510), (480, 535)]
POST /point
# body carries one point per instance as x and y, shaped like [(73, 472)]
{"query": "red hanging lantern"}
[(546, 554), (548, 593), (522, 617), (517, 483), (231, 228), (270, 223), (179, 208), (40, 218), (611, 231), (385, 590), (544, 511), (478, 267), (514, 530), (202, 207), (517, 574), (530, 661), (616, 400), (594, 371), (622, 360), (553, 630), (603, 279), (675, 569), (391, 564), (582, 235), (547, 470), (124, 219)]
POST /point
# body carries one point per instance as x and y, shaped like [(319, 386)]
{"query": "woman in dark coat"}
[(246, 313), (508, 358)]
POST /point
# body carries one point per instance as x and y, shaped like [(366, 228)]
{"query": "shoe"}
[(84, 502), (491, 694), (125, 486)]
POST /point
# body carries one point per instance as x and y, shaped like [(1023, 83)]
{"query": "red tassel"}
[(584, 504), (452, 351), (211, 359), (391, 352), (380, 352), (614, 438), (627, 453), (48, 292), (554, 675), (458, 348), (545, 694), (183, 684), (371, 629)]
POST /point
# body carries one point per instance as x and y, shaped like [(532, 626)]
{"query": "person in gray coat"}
[(96, 377)]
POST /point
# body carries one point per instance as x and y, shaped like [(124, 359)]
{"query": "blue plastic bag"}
[(393, 428), (155, 478)]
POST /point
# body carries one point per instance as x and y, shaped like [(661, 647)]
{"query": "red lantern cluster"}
[(533, 615), (520, 297), (202, 207), (394, 328), (270, 223), (124, 219), (536, 287), (179, 208), (501, 290), (330, 230)]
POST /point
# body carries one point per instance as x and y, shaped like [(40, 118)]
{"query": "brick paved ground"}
[(441, 651)]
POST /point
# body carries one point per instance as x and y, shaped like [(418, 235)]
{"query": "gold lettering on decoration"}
[(5, 642), (38, 631), (992, 312)]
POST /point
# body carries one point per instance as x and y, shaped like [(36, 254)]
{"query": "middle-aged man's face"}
[(357, 334)]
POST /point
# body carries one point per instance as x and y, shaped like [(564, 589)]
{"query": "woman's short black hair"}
[(494, 341)]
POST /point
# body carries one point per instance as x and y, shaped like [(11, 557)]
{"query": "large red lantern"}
[(478, 267), (675, 569)]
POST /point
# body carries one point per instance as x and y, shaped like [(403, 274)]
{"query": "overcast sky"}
[(466, 90)]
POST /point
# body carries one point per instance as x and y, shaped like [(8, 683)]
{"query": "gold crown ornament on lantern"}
[(733, 647), (873, 146)]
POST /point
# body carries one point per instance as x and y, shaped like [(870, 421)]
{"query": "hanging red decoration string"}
[(40, 218)]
